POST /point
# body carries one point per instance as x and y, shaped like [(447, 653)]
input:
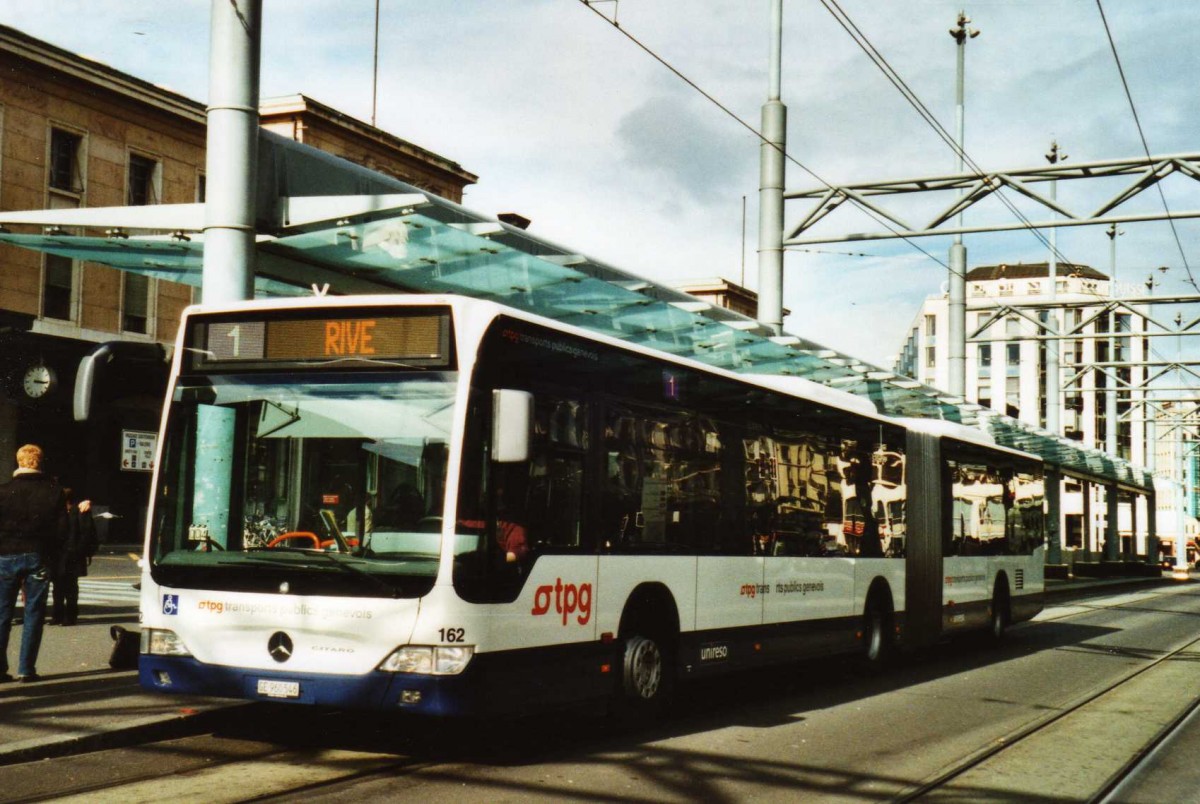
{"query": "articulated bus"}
[(447, 506)]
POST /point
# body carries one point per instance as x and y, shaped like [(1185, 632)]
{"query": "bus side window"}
[(554, 502)]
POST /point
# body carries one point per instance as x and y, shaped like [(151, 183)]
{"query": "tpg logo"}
[(567, 599), (170, 604)]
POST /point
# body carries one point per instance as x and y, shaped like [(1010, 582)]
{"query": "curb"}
[(152, 728), (1078, 589)]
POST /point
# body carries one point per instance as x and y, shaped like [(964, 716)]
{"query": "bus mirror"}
[(512, 415)]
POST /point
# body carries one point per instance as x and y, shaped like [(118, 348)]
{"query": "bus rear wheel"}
[(877, 632), (999, 619), (644, 672)]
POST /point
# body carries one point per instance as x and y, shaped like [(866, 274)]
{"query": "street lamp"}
[(1110, 400), (957, 306), (1050, 322)]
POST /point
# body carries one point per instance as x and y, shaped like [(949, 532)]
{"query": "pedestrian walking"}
[(33, 525), (73, 560)]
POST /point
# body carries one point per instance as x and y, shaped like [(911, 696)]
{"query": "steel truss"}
[(1144, 173)]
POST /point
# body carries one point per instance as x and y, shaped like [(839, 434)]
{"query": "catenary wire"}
[(900, 86), (930, 119), (758, 134), (914, 100), (1145, 146)]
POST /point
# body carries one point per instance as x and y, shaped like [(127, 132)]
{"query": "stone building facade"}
[(77, 133)]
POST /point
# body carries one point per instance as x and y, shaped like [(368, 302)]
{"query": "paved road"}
[(96, 592), (828, 731)]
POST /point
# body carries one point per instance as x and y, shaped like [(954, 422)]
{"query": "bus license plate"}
[(278, 689)]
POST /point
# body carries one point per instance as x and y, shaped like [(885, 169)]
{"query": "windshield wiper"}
[(261, 557)]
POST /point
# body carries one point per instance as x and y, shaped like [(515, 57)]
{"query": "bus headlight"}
[(442, 660), (161, 642)]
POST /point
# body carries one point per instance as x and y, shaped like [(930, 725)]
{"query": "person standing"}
[(73, 560), (33, 525)]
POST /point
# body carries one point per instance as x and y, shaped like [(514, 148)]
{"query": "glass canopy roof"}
[(413, 242)]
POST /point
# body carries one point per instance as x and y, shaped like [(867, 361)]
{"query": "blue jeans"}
[(16, 570)]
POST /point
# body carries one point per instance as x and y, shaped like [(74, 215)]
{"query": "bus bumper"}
[(431, 695)]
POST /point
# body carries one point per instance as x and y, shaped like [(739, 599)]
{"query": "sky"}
[(569, 123)]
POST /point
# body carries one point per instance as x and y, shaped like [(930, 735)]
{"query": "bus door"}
[(977, 533), (801, 529), (519, 537), (731, 586)]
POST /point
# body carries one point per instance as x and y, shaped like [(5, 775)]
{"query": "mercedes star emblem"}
[(280, 646)]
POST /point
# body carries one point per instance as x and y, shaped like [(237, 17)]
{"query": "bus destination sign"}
[(422, 337)]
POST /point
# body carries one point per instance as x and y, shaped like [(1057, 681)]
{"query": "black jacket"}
[(79, 545), (33, 515)]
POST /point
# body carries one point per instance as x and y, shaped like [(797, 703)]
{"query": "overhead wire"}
[(757, 134), (914, 100), (930, 119), (1145, 145), (898, 82)]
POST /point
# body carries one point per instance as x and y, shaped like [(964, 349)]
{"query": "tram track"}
[(953, 780), (201, 763), (200, 767), (1130, 772)]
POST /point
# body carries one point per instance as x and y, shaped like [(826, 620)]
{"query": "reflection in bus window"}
[(662, 481), (512, 513), (994, 511), (352, 467), (810, 494)]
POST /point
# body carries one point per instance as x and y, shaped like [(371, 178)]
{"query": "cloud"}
[(686, 146)]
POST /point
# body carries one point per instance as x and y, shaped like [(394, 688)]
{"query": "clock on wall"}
[(39, 380)]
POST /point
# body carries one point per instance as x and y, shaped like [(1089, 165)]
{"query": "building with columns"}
[(1006, 371), (76, 133)]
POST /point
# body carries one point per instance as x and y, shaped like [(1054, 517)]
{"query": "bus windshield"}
[(312, 482)]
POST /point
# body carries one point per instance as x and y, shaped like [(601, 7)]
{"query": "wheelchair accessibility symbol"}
[(170, 604)]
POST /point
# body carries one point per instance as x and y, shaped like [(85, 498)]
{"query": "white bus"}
[(448, 506)]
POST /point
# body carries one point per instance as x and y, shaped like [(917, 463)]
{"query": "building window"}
[(1013, 353), (1034, 288), (984, 354), (144, 178), (930, 326), (64, 161), (1012, 396), (135, 303), (1005, 289), (57, 286), (201, 188), (930, 357), (984, 394), (1012, 326)]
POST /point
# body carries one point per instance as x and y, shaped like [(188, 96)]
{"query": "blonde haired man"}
[(33, 523)]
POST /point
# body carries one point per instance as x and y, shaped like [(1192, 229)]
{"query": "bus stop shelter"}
[(326, 225)]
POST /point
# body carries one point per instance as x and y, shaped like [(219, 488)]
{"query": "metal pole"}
[(375, 66), (231, 162), (1053, 375), (1110, 398), (1152, 548), (1053, 482), (1181, 563), (1112, 537), (229, 228), (770, 187), (957, 363), (1086, 490)]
